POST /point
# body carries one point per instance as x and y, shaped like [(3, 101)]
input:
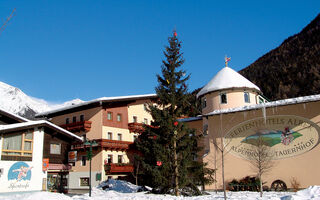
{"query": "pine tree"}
[(168, 146)]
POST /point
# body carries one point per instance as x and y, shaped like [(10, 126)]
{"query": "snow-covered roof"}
[(282, 102), (13, 116), (28, 124), (99, 100), (225, 79)]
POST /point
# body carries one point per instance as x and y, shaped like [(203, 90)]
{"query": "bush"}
[(245, 184), (295, 184)]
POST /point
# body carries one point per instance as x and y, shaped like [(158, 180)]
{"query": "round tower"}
[(228, 89)]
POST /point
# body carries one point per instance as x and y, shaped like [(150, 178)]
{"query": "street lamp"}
[(89, 155)]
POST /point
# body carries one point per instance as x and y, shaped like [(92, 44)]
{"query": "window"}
[(17, 145), (204, 102), (74, 119), (118, 117), (67, 121), (135, 119), (246, 97), (109, 136), (119, 136), (145, 121), (110, 158), (109, 115), (55, 148), (223, 98), (81, 118), (84, 181), (120, 157), (83, 160), (261, 100)]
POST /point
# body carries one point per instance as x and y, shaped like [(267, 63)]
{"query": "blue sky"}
[(62, 50)]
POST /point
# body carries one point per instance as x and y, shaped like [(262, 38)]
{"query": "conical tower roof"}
[(227, 78)]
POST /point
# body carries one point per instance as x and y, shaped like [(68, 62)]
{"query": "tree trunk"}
[(223, 182), (137, 172), (176, 172), (261, 189)]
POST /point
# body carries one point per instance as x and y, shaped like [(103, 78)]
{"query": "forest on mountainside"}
[(292, 69)]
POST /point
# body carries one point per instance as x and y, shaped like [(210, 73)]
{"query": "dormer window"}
[(204, 102), (223, 98), (246, 97)]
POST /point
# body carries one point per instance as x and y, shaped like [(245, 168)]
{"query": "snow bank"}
[(312, 192), (35, 196)]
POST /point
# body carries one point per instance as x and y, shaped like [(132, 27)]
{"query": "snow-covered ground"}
[(119, 190)]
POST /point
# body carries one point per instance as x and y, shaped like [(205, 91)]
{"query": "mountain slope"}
[(292, 69), (13, 100)]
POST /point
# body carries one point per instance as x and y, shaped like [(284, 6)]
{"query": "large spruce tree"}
[(168, 146)]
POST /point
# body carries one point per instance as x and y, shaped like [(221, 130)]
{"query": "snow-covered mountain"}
[(13, 100)]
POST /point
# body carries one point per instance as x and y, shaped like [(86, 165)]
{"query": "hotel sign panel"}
[(286, 135)]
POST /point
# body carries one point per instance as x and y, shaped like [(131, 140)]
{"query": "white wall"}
[(74, 179), (34, 180)]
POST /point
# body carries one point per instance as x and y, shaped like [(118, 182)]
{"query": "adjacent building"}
[(33, 154), (110, 124), (235, 115)]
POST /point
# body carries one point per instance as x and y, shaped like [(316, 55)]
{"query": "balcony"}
[(135, 127), (118, 168), (77, 126), (116, 145)]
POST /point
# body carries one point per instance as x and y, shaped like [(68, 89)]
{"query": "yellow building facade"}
[(112, 124)]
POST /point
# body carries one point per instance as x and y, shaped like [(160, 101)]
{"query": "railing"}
[(77, 126), (135, 127), (118, 168), (106, 144)]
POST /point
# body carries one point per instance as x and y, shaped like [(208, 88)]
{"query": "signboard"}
[(45, 164), (72, 156), (286, 135)]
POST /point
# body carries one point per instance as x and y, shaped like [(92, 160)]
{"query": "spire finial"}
[(226, 60)]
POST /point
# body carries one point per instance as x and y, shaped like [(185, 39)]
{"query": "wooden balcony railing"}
[(106, 144), (77, 126), (135, 127), (118, 168)]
